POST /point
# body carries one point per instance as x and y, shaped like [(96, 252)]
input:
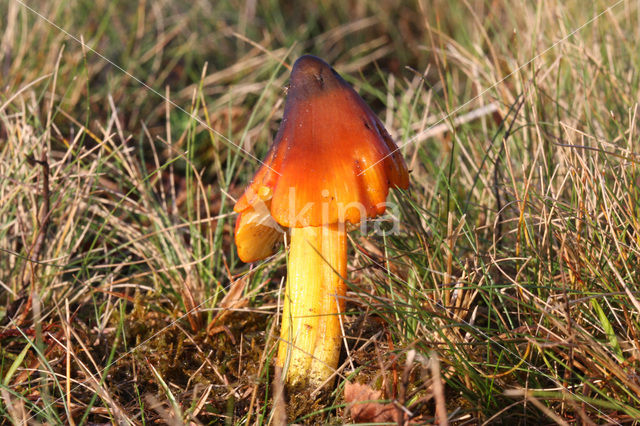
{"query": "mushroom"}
[(330, 167)]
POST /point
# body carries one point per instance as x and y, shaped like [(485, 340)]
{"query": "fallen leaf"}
[(232, 300), (362, 405)]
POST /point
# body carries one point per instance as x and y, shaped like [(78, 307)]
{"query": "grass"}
[(515, 264)]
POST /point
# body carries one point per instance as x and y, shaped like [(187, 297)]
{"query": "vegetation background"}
[(509, 295)]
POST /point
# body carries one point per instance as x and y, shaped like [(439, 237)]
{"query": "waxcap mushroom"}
[(331, 165)]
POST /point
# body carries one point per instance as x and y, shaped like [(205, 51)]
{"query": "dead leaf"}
[(362, 405), (232, 300)]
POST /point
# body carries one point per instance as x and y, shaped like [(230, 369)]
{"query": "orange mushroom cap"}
[(332, 160)]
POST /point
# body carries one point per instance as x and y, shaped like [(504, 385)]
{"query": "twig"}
[(497, 175), (438, 391), (43, 219), (43, 224)]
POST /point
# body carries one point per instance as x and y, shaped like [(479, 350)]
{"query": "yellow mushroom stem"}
[(313, 304)]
